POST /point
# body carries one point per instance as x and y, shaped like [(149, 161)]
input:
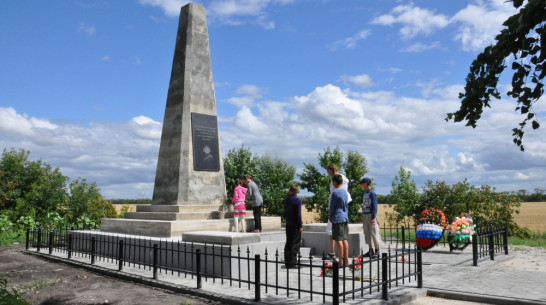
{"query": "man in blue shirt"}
[(339, 216)]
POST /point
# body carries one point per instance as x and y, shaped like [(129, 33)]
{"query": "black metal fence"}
[(486, 242), (314, 278)]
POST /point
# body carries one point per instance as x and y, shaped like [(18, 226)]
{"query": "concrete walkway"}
[(451, 275), (446, 275)]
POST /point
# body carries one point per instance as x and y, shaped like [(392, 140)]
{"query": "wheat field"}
[(532, 215)]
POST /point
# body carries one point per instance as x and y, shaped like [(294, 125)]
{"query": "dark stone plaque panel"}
[(206, 153)]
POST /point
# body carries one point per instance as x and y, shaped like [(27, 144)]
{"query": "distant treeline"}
[(539, 195), (131, 201)]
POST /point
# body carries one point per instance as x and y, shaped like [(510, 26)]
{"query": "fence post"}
[(70, 238), (198, 267), (120, 255), (257, 277), (154, 261), (419, 267), (474, 249), (93, 245), (505, 241), (403, 238), (27, 242), (385, 280), (335, 283), (39, 240), (50, 243), (491, 247)]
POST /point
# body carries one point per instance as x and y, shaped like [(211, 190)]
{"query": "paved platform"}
[(446, 274)]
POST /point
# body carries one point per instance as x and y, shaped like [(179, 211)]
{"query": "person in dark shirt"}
[(294, 227)]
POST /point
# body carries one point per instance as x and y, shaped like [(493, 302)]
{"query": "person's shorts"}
[(329, 227), (340, 231)]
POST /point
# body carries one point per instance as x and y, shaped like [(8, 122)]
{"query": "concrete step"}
[(170, 216), (178, 208), (164, 228)]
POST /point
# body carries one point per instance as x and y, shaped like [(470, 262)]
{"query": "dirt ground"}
[(47, 283)]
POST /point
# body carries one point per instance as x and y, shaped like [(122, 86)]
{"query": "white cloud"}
[(479, 24), (89, 29), (249, 94), (389, 130), (171, 8), (233, 12), (14, 124), (108, 153), (349, 42), (414, 20), (362, 80), (420, 47)]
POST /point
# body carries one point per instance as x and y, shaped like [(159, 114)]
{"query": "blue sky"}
[(83, 86)]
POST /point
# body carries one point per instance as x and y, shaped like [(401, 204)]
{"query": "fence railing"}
[(486, 242), (314, 277)]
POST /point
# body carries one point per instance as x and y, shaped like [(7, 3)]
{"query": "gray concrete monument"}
[(189, 184), (190, 168)]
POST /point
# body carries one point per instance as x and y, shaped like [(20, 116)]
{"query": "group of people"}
[(240, 194), (338, 216)]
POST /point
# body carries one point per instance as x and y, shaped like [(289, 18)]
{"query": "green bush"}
[(10, 295)]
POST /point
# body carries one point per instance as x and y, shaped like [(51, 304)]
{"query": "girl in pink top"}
[(239, 209)]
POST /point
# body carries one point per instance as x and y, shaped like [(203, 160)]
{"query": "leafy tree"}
[(404, 198), (32, 192), (85, 200), (318, 182), (521, 42), (355, 167), (33, 188), (274, 177), (238, 162)]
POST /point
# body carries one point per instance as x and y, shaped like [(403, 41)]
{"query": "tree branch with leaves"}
[(522, 43)]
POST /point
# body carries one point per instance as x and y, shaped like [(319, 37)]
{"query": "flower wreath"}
[(460, 232), (430, 229)]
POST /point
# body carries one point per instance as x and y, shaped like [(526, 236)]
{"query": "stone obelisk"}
[(190, 170), (189, 183)]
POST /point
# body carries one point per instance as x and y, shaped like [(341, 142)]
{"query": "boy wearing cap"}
[(369, 218)]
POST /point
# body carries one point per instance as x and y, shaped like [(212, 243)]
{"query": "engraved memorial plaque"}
[(206, 154)]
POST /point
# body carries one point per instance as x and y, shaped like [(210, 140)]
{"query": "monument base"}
[(164, 228)]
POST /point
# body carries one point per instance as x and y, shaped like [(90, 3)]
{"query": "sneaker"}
[(369, 254), (331, 255)]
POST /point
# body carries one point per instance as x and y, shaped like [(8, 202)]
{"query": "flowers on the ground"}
[(357, 263), (327, 268)]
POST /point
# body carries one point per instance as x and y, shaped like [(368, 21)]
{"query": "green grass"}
[(536, 240), (39, 285)]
